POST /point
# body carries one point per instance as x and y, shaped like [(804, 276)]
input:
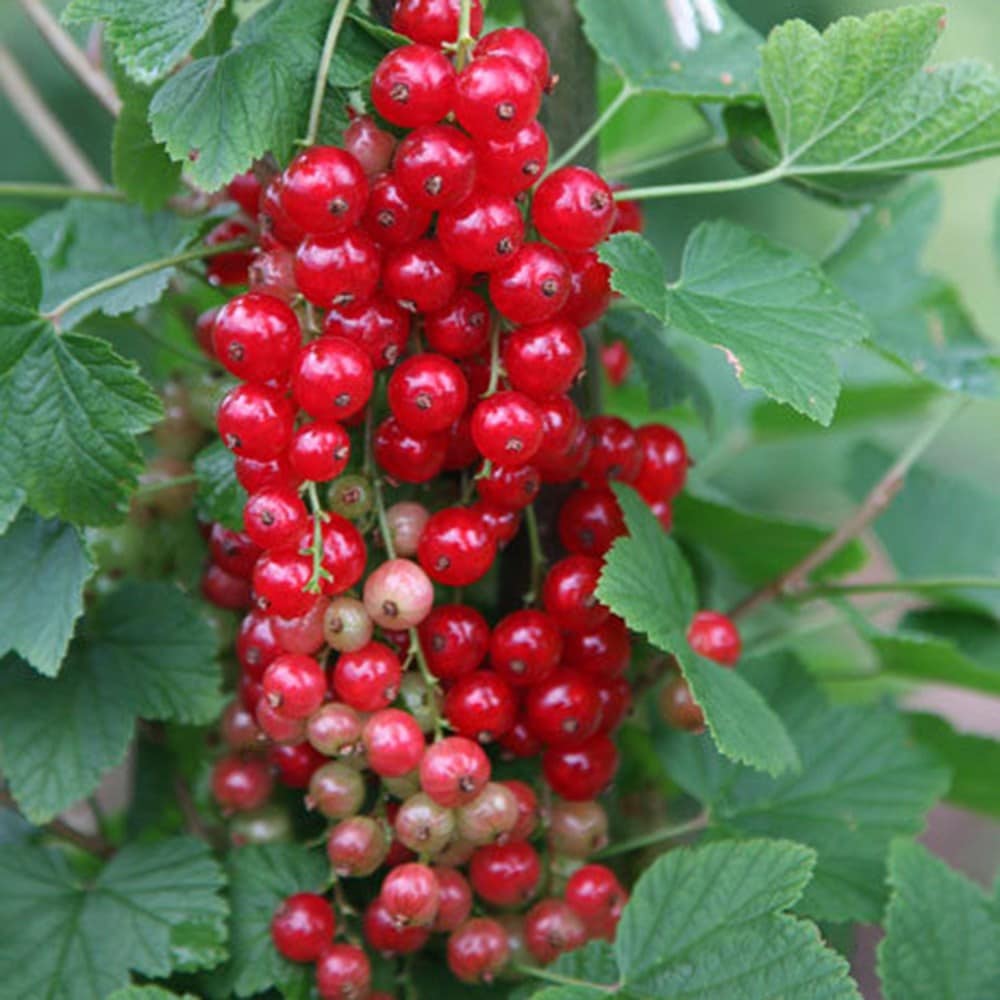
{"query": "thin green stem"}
[(652, 839), (703, 187), (465, 41), (537, 555), (124, 277), (159, 485), (323, 72), (591, 133), (623, 169), (319, 574), (495, 367), (383, 520), (56, 192), (919, 586), (548, 976)]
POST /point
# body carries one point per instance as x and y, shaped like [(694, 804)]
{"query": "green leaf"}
[(145, 651), (639, 40), (918, 319), (974, 762), (708, 923), (149, 993), (150, 37), (77, 940), (594, 964), (43, 568), (220, 495), (861, 784), (88, 241), (71, 409), (857, 100), (647, 581), (777, 543), (942, 939), (260, 878), (637, 272)]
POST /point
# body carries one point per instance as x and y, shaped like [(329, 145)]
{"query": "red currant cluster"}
[(432, 262)]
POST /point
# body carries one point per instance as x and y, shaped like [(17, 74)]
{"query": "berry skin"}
[(254, 475), (356, 847), (589, 522), (434, 22), (274, 516), (335, 730), (461, 329), (255, 422), (343, 554), (319, 451), (489, 817), (413, 86), (420, 277), (590, 291), (294, 685), (455, 548), (573, 208), (525, 647), (602, 652), (302, 927), (454, 639), (279, 579), (225, 590), (423, 825), (509, 488), (343, 972), (346, 625), (663, 463), (628, 215), (520, 44), (495, 96), (501, 523), (616, 360), (406, 457), (545, 359), (337, 270), (245, 190), (255, 336), (715, 637), (384, 935), (295, 763), (511, 166), (436, 167), (568, 594), (454, 771), (520, 742), (406, 521), (582, 772), (333, 379), (533, 286), (398, 595), (481, 233), (324, 190), (378, 326), (276, 727), (336, 791), (228, 268), (578, 829), (598, 898), (564, 710), (411, 895), (427, 393), (551, 928), (562, 425), (276, 227), (527, 809), (240, 784), (393, 742), (370, 145), (505, 874), (615, 452), (239, 728), (391, 218), (616, 702), (367, 679), (507, 428), (678, 707), (256, 646), (481, 706), (478, 950), (454, 899)]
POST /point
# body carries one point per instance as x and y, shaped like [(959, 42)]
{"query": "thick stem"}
[(326, 57)]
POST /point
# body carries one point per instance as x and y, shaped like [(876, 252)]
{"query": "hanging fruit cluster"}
[(413, 326)]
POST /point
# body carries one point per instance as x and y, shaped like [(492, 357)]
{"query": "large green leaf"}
[(639, 39), (154, 908), (146, 651), (71, 408), (942, 938), (917, 318), (220, 495), (647, 581), (43, 568), (862, 782)]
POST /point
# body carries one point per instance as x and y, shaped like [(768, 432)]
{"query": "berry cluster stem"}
[(316, 549), (465, 41), (323, 71), (660, 836), (594, 129), (537, 555)]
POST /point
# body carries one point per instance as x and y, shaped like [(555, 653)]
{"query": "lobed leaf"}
[(220, 495)]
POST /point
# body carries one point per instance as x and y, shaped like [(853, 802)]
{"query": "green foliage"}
[(153, 909), (220, 495)]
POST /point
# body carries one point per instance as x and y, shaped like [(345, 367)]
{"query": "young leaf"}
[(641, 42), (150, 36), (146, 651), (862, 783), (647, 581), (43, 568), (858, 99), (917, 319), (154, 908), (220, 495), (942, 938), (709, 922)]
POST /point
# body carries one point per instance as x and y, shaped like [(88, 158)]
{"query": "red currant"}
[(411, 895), (231, 267), (406, 457), (391, 218), (663, 463), (333, 378), (602, 652), (569, 594), (276, 727), (357, 846), (256, 646), (507, 428), (255, 336), (337, 270), (233, 551), (398, 595), (254, 474), (678, 707), (551, 928), (511, 166), (423, 825), (478, 950), (454, 771), (320, 451), (386, 936), (343, 554), (614, 454), (501, 523), (544, 359), (343, 972), (239, 728), (393, 742), (481, 233), (489, 817), (279, 579), (336, 791), (413, 86), (454, 639), (525, 647), (616, 702), (495, 96), (420, 277), (335, 730), (240, 784), (573, 208), (578, 829), (294, 685), (520, 44), (274, 516), (528, 816), (616, 359), (255, 422), (520, 742), (434, 22), (323, 190), (513, 488), (295, 763), (436, 167), (378, 326), (505, 874), (245, 190), (370, 145), (563, 710), (427, 393), (277, 229), (481, 706), (589, 522), (461, 329), (582, 772), (597, 896), (455, 548), (715, 637), (628, 214), (590, 292), (454, 899), (368, 679), (302, 927), (533, 286)]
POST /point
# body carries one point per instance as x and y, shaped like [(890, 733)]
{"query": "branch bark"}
[(91, 843)]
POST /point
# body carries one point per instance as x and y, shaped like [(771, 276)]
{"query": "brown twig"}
[(92, 843)]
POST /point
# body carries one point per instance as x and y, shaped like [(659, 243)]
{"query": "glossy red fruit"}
[(480, 706), (225, 590), (337, 270), (511, 166), (528, 813), (333, 378), (274, 516), (573, 208), (597, 896), (233, 551), (520, 742), (378, 326), (335, 729), (411, 895), (295, 763), (522, 45), (239, 728), (496, 96), (628, 214), (568, 594), (507, 428), (294, 685), (279, 579), (454, 899), (552, 928), (367, 679), (231, 267), (716, 637), (615, 452), (580, 773), (343, 972), (505, 874), (393, 742), (461, 329), (276, 727), (245, 190), (320, 451), (392, 219), (478, 950), (482, 232), (533, 286), (406, 521), (454, 771), (600, 652), (256, 645), (454, 639), (427, 393), (434, 22), (512, 488), (562, 426), (240, 784), (302, 927), (357, 846), (413, 86), (455, 548), (436, 167), (255, 422), (501, 523), (564, 710), (678, 707), (590, 290), (589, 521), (323, 190), (398, 594), (255, 336), (616, 702), (526, 647), (616, 359), (336, 791), (370, 145), (254, 475), (419, 277), (406, 457), (275, 226), (384, 935), (544, 359), (663, 463)]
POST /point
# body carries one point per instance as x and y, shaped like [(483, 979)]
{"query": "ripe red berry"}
[(255, 422), (573, 208), (276, 228), (335, 729), (564, 710), (392, 219), (233, 551), (454, 899), (245, 190), (454, 771), (597, 896), (478, 950), (368, 679), (255, 336), (337, 270), (616, 702), (256, 646), (663, 463), (393, 742), (406, 521), (254, 474), (378, 326), (551, 928), (533, 286), (507, 428), (501, 523), (522, 45), (601, 652), (294, 685), (333, 378), (411, 894), (225, 590), (357, 846), (276, 727), (229, 268), (434, 22), (323, 190), (383, 934), (520, 742), (715, 637), (302, 927), (420, 277), (320, 451), (461, 329), (495, 96), (454, 639), (413, 86), (544, 359), (510, 166), (273, 516), (343, 554), (427, 393), (482, 232), (528, 816), (589, 521), (240, 784), (239, 728), (295, 763), (455, 548), (628, 214), (272, 272), (481, 706), (505, 874), (569, 594), (562, 426), (590, 291), (513, 488), (582, 772), (678, 707), (615, 452), (343, 972), (370, 145), (616, 359), (525, 647), (436, 167), (279, 579), (406, 457)]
